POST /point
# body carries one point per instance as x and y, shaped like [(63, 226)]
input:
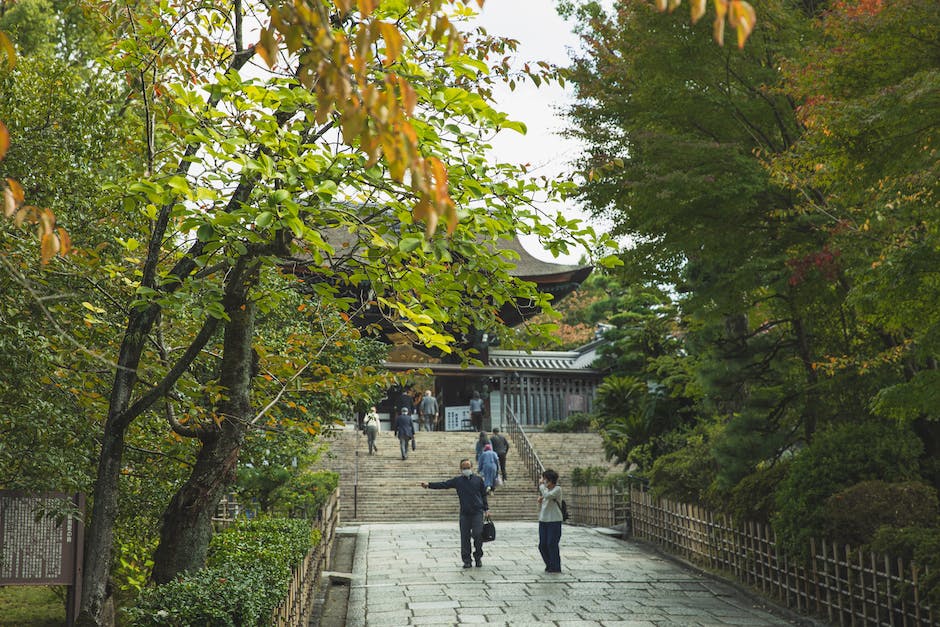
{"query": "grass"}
[(32, 606)]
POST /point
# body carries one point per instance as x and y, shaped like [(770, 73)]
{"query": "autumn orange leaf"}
[(4, 140)]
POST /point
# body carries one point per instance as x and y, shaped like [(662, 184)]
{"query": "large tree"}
[(339, 164), (676, 131)]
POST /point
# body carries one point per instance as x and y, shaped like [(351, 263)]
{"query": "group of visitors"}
[(473, 489), (472, 493), (403, 425), (491, 458)]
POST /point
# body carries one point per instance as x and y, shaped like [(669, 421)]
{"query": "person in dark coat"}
[(473, 508), (500, 447), (405, 430)]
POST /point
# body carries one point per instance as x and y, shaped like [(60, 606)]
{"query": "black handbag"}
[(489, 531)]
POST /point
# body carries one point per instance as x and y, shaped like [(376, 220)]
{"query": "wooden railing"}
[(294, 610), (525, 450), (845, 585)]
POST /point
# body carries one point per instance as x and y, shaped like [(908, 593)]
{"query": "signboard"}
[(576, 402), (457, 418), (36, 548)]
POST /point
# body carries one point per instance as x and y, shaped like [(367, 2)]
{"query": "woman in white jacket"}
[(550, 519)]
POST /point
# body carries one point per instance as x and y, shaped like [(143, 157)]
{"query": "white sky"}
[(543, 35)]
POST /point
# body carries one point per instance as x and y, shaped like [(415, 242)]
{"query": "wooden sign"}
[(41, 538)]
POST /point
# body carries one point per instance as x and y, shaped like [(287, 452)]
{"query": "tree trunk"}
[(187, 522), (100, 532)]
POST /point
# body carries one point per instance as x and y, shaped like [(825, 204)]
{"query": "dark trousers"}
[(502, 464), (549, 537), (403, 441), (471, 527)]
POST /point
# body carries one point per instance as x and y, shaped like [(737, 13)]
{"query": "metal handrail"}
[(529, 457)]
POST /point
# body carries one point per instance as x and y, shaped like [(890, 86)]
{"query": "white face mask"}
[(467, 472)]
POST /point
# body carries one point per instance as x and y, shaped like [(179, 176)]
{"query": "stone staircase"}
[(383, 487)]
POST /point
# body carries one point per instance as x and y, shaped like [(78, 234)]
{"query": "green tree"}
[(867, 167), (333, 168), (677, 134)]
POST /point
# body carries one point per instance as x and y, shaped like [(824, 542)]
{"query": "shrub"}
[(686, 475), (838, 458), (574, 423), (623, 480), (914, 544), (753, 498), (248, 573), (305, 492), (854, 515), (592, 475)]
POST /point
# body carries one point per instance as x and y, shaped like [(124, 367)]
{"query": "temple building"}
[(535, 387)]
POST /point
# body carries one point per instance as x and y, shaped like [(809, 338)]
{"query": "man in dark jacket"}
[(473, 507), (405, 430), (500, 447)]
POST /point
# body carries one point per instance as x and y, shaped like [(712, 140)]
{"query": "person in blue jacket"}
[(488, 467), (473, 508)]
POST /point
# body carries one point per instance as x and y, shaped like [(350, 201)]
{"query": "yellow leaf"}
[(366, 7), (392, 38), (698, 9), (662, 5), (9, 203), (344, 6), (719, 31), (267, 47), (673, 4), (17, 190), (8, 50), (743, 17)]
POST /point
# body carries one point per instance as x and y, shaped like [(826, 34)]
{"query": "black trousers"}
[(502, 464), (471, 527)]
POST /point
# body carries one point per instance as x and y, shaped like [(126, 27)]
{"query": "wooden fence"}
[(598, 506), (843, 584), (294, 610)]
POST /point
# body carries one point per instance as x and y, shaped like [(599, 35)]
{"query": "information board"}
[(457, 418), (35, 548)]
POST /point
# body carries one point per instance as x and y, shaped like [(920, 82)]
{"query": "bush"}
[(753, 498), (686, 475), (248, 573), (592, 475), (574, 423), (854, 515), (305, 492), (623, 480), (914, 544), (838, 458)]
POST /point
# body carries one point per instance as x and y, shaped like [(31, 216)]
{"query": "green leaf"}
[(410, 244), (205, 232)]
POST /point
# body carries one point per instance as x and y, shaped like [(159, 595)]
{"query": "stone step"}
[(384, 487)]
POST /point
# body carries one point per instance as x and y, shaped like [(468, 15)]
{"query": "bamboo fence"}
[(295, 609), (843, 584), (598, 506)]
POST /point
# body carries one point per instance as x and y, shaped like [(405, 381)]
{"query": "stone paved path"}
[(411, 574)]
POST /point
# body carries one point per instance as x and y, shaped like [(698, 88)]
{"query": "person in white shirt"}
[(550, 519), (372, 425)]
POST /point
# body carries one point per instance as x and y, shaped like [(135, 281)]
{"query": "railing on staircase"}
[(529, 457)]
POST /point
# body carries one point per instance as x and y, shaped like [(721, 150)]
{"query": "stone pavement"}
[(411, 574)]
